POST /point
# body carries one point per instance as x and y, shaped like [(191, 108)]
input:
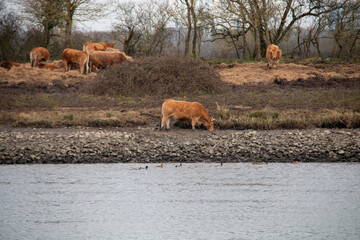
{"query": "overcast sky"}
[(105, 23)]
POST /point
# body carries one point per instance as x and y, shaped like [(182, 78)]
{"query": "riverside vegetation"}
[(239, 96)]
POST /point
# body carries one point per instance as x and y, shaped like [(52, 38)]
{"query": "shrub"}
[(160, 76)]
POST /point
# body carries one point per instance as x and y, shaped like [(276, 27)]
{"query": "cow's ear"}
[(212, 119)]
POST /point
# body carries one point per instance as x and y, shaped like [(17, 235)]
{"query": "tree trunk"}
[(193, 51), (257, 44), (235, 46), (68, 32), (244, 42), (188, 35)]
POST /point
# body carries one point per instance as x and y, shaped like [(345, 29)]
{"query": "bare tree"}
[(190, 14), (80, 10), (141, 28), (153, 26), (345, 25), (271, 21), (125, 30), (45, 13), (10, 31)]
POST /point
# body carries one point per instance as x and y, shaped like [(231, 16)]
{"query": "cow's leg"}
[(193, 123), (168, 124), (163, 120), (67, 67)]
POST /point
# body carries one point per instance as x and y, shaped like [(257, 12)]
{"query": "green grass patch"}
[(269, 119)]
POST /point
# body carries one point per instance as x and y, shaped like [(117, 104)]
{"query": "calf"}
[(89, 46), (47, 66), (9, 65), (101, 59), (71, 56), (39, 54), (180, 110)]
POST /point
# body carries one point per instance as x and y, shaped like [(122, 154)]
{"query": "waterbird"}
[(161, 165), (146, 167), (180, 165), (219, 165), (257, 163)]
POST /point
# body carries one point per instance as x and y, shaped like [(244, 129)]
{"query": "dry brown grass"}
[(26, 76), (27, 100), (259, 73), (74, 117)]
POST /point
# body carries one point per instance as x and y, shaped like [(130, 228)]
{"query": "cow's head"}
[(210, 124), (111, 44), (273, 54)]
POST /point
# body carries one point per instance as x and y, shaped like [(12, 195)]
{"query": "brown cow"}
[(47, 66), (9, 65), (39, 54), (180, 110), (71, 56), (273, 55), (101, 59), (89, 46)]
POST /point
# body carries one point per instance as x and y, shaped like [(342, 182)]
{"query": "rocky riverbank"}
[(145, 145)]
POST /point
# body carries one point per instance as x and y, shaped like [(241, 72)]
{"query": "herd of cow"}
[(98, 55), (93, 56)]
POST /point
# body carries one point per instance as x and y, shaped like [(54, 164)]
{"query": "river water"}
[(195, 201)]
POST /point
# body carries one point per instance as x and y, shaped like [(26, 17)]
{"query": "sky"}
[(105, 23)]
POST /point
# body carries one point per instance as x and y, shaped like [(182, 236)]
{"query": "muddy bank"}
[(145, 145)]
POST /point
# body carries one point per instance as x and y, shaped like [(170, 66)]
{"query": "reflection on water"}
[(195, 201)]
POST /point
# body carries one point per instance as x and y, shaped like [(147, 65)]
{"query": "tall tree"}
[(271, 21), (190, 14), (125, 30), (141, 28), (345, 26), (10, 31), (45, 13), (80, 10)]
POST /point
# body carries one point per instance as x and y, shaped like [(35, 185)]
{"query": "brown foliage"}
[(160, 76)]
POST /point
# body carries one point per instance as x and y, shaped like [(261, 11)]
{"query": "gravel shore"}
[(145, 145)]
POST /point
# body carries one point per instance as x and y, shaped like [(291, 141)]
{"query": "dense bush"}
[(161, 76)]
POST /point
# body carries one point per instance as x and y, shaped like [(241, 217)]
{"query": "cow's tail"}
[(31, 59)]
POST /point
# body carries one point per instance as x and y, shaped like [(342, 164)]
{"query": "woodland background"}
[(210, 29)]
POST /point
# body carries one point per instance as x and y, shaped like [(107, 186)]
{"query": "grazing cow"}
[(180, 110), (39, 54), (89, 46), (47, 66), (72, 56), (9, 65), (101, 59), (273, 55)]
